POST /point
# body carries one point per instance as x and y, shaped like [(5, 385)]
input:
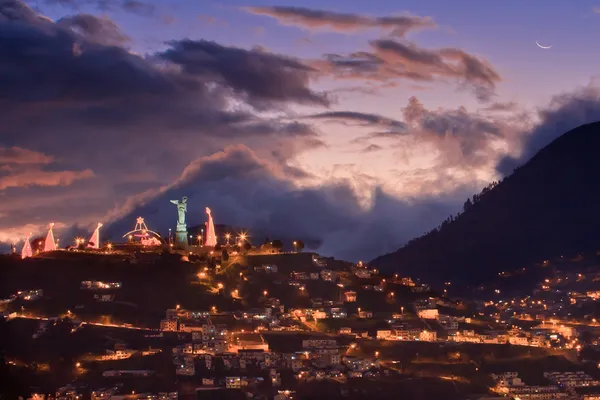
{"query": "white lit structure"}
[(26, 252), (146, 236), (49, 243), (95, 239), (211, 237)]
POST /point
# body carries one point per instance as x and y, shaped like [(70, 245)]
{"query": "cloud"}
[(245, 190), (596, 10), (371, 148), (258, 74), (565, 112), (342, 22), (18, 155), (391, 60), (132, 6), (79, 97), (363, 119), (501, 107), (94, 29), (43, 178)]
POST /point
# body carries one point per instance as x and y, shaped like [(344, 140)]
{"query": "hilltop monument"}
[(211, 237), (181, 237)]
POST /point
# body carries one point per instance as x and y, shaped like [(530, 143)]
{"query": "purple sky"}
[(356, 124)]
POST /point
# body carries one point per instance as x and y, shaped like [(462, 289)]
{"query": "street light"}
[(265, 293), (227, 237)]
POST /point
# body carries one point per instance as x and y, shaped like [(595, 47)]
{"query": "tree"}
[(247, 246), (277, 244), (217, 247), (299, 245), (468, 204)]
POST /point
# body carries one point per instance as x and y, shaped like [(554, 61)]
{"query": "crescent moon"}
[(542, 47)]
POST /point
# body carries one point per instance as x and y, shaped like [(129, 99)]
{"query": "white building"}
[(428, 313)]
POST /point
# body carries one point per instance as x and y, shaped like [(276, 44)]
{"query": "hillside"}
[(547, 208)]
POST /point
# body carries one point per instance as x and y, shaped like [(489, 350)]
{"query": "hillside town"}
[(292, 320)]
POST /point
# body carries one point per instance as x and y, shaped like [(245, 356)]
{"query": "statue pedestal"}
[(181, 240)]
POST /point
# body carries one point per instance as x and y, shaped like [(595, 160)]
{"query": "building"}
[(384, 334), (169, 325), (233, 382), (328, 275), (428, 336), (428, 313), (350, 296)]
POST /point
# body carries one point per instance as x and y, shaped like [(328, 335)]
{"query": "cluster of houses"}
[(562, 385), (26, 295), (100, 285)]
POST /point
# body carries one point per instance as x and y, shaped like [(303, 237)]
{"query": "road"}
[(121, 326)]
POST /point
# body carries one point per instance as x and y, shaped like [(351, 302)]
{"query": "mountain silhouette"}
[(546, 208)]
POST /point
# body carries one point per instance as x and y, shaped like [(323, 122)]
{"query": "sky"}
[(352, 125)]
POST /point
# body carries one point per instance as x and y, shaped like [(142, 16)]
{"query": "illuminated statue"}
[(49, 244), (26, 252), (181, 238), (211, 237), (181, 210)]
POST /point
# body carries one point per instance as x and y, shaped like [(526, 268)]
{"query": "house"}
[(233, 382), (350, 296), (428, 336), (428, 313), (384, 334), (169, 325)]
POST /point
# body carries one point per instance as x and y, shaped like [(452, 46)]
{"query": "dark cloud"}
[(137, 7), (371, 148), (132, 6), (341, 22), (255, 73), (565, 112), (392, 60), (244, 190), (94, 29), (363, 119)]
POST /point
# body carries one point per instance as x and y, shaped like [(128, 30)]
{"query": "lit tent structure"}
[(49, 243), (211, 237), (95, 239), (26, 252)]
